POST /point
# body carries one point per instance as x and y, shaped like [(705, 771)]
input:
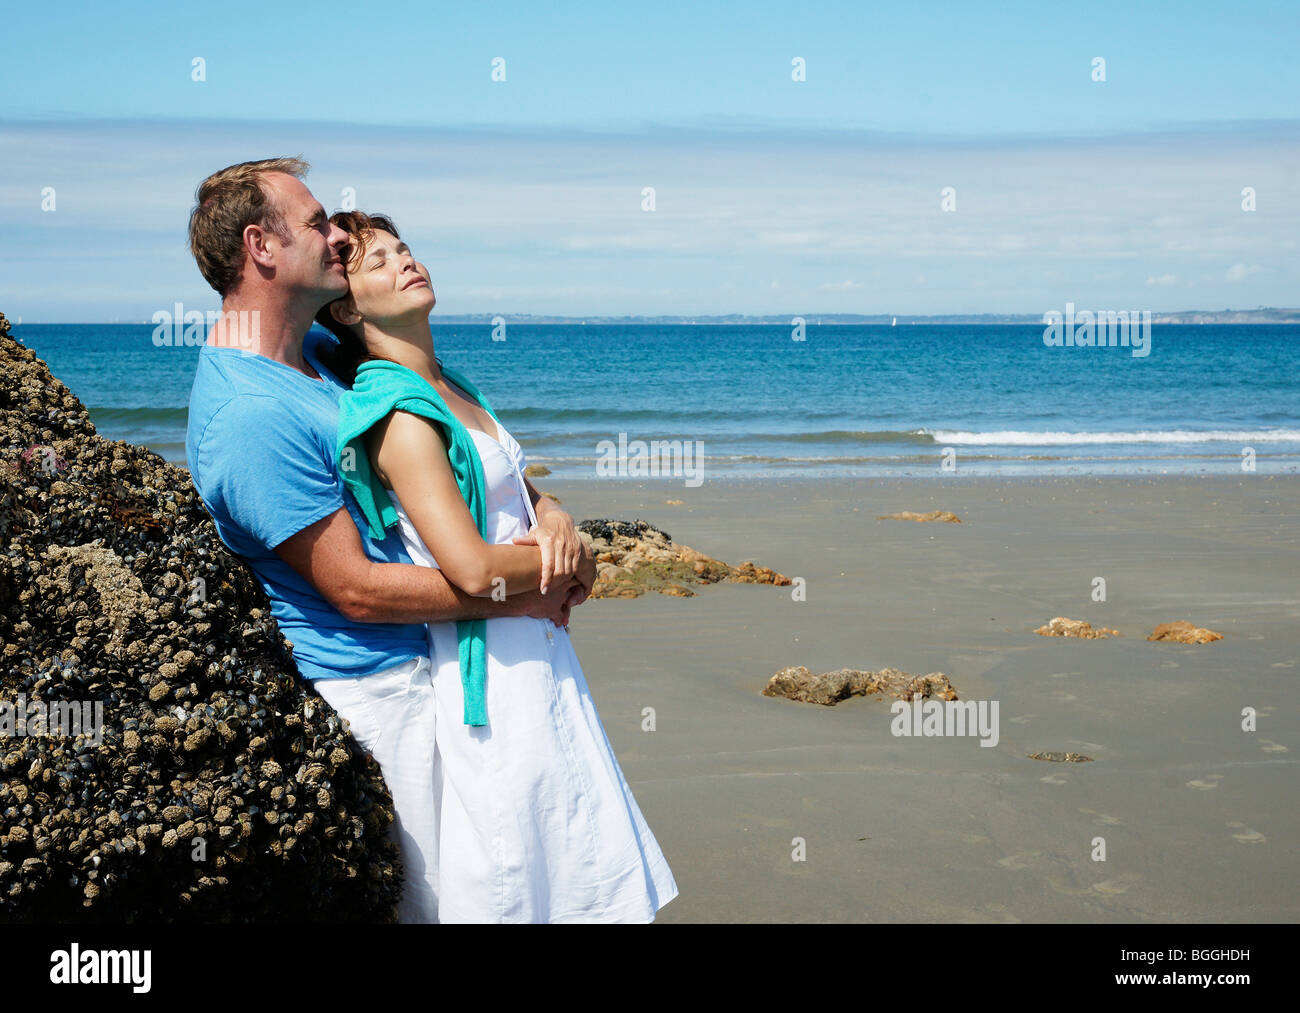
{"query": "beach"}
[(1164, 788), (1199, 818)]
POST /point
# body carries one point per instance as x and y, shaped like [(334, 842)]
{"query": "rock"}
[(1182, 632), (633, 557), (829, 688), (536, 471), (1061, 757), (1062, 627), (945, 516), (115, 589)]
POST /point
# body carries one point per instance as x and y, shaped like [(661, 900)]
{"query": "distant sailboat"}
[(895, 323)]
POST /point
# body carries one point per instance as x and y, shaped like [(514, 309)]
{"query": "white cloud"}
[(554, 220)]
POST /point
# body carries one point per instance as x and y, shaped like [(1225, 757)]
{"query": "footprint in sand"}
[(999, 912), (1207, 782), (1283, 664), (1245, 835), (1107, 887), (1054, 779), (1022, 860), (1023, 719), (1269, 746), (1069, 891), (1111, 821)]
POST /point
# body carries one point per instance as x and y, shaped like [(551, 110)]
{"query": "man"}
[(261, 452)]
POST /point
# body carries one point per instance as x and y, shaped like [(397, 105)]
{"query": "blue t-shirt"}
[(261, 451)]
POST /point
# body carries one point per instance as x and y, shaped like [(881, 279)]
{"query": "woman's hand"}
[(563, 549)]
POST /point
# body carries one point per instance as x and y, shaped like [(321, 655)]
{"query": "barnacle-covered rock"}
[(182, 798)]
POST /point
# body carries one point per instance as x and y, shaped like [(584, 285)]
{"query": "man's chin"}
[(335, 288)]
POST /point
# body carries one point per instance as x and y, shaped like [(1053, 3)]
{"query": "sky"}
[(771, 195)]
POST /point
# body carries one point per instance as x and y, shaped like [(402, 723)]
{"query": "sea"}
[(772, 401)]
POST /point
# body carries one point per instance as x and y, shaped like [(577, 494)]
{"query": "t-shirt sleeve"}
[(265, 472)]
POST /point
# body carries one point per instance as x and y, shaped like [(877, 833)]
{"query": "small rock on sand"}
[(1183, 632), (945, 516), (1062, 627), (829, 688)]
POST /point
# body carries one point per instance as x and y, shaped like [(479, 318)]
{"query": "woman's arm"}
[(409, 454)]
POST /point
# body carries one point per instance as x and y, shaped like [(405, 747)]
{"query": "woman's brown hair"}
[(350, 352)]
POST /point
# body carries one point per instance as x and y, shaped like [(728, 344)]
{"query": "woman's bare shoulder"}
[(401, 439)]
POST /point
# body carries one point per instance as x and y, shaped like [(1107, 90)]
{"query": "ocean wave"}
[(176, 416), (1018, 438)]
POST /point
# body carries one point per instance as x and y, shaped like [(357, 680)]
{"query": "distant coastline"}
[(1261, 315)]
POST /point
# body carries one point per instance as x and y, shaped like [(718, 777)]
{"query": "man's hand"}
[(586, 575), (554, 605)]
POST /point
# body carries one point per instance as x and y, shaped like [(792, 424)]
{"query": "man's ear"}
[(255, 245), (345, 311)]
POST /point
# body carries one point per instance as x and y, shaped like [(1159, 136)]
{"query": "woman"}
[(535, 821)]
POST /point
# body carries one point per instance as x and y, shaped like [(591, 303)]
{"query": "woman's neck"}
[(410, 346)]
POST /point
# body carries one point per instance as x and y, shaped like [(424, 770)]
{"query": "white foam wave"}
[(1017, 438)]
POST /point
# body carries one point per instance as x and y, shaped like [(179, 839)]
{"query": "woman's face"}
[(387, 283)]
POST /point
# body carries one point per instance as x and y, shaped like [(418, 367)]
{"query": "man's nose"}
[(338, 237)]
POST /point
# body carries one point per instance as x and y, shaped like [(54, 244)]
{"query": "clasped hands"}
[(568, 566)]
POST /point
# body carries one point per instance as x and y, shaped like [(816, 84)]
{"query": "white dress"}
[(536, 822)]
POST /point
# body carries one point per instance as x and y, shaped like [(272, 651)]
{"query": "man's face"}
[(311, 260)]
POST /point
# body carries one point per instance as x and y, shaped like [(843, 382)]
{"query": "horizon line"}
[(1292, 315)]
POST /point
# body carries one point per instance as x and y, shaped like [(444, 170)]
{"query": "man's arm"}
[(328, 554)]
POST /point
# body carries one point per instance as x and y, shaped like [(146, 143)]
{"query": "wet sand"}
[(1200, 819)]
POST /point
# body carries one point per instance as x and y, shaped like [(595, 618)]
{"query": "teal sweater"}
[(382, 387)]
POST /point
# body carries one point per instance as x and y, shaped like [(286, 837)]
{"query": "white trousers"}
[(392, 717)]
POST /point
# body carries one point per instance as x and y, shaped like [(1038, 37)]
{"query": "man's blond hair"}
[(228, 202)]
